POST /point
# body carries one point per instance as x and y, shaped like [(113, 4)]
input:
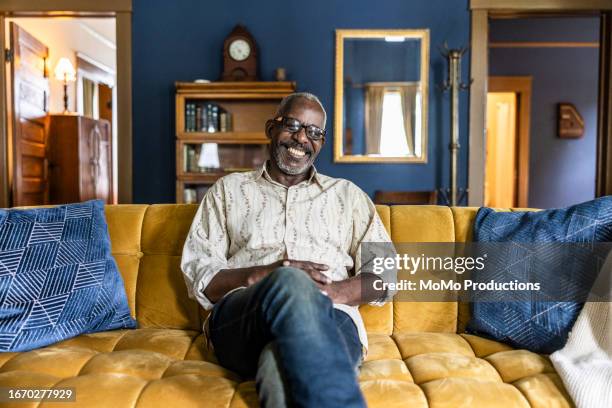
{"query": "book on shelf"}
[(194, 194), (206, 117)]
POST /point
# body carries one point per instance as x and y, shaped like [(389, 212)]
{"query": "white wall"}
[(65, 36)]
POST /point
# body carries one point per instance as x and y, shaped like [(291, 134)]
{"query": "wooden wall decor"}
[(570, 122)]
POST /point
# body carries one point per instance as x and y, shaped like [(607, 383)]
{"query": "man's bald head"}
[(300, 97)]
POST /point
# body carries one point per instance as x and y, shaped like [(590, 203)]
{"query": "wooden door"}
[(28, 111), (501, 171), (105, 102)]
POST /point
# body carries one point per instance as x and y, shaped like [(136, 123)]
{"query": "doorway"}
[(119, 108), (561, 171), (508, 139), (483, 12), (62, 135)]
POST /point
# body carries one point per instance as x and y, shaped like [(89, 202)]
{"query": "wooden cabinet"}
[(80, 159), (220, 129)]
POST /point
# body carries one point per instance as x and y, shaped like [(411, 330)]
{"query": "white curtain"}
[(408, 98), (89, 90), (373, 118)]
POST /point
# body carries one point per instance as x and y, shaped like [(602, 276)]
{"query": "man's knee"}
[(293, 279), (287, 284)]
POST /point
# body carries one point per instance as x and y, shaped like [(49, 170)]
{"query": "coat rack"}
[(454, 195)]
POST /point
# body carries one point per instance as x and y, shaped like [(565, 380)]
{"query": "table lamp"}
[(64, 71)]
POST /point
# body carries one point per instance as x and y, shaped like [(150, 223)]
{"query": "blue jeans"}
[(284, 332)]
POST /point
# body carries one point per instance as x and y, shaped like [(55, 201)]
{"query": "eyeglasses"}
[(293, 125)]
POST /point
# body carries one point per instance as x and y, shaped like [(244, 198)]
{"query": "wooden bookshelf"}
[(240, 147)]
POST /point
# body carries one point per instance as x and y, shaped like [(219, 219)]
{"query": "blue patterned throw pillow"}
[(535, 323), (58, 278)]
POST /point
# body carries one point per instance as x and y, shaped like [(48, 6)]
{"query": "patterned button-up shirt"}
[(247, 219)]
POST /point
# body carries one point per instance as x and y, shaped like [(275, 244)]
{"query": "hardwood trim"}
[(509, 15), (4, 154), (69, 6), (224, 137), (269, 88), (603, 184), (123, 26), (201, 178), (534, 5), (478, 107), (521, 86), (543, 44)]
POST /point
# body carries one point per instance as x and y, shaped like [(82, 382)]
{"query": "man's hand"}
[(312, 269), (229, 279), (354, 291)]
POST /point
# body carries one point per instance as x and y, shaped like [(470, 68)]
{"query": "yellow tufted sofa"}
[(418, 355)]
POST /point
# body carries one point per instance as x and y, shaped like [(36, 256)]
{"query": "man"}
[(270, 251)]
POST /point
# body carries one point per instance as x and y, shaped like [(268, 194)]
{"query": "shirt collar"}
[(263, 171)]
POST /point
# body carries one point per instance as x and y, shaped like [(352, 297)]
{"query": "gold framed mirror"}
[(381, 96)]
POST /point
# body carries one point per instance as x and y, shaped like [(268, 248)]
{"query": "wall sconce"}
[(64, 71)]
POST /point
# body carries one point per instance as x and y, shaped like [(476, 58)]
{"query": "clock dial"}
[(239, 50)]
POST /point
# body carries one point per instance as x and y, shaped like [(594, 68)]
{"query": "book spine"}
[(185, 158), (223, 121), (215, 118), (192, 117), (204, 127), (187, 116), (198, 118), (209, 116)]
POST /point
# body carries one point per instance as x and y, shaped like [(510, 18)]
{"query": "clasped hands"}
[(314, 270)]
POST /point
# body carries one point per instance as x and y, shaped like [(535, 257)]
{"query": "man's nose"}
[(300, 136)]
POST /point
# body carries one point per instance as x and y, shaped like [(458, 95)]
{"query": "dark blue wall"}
[(182, 40), (562, 171)]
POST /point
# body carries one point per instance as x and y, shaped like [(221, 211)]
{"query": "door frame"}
[(521, 86), (122, 11), (481, 10)]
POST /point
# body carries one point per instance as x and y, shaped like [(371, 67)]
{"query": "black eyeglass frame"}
[(282, 121)]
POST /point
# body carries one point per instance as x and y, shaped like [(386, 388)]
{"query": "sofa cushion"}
[(145, 368), (57, 276), (541, 325)]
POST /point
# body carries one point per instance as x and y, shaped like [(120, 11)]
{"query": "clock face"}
[(239, 50)]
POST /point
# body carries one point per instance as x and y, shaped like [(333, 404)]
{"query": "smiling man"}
[(275, 253)]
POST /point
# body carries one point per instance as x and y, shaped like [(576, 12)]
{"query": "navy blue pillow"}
[(58, 278), (540, 326)]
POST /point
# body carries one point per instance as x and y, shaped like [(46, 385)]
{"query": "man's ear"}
[(269, 126)]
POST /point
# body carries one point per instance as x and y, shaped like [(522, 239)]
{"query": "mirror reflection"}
[(381, 101)]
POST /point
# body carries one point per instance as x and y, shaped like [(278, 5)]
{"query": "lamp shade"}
[(64, 70)]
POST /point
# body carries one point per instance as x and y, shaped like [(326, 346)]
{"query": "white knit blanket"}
[(585, 363)]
